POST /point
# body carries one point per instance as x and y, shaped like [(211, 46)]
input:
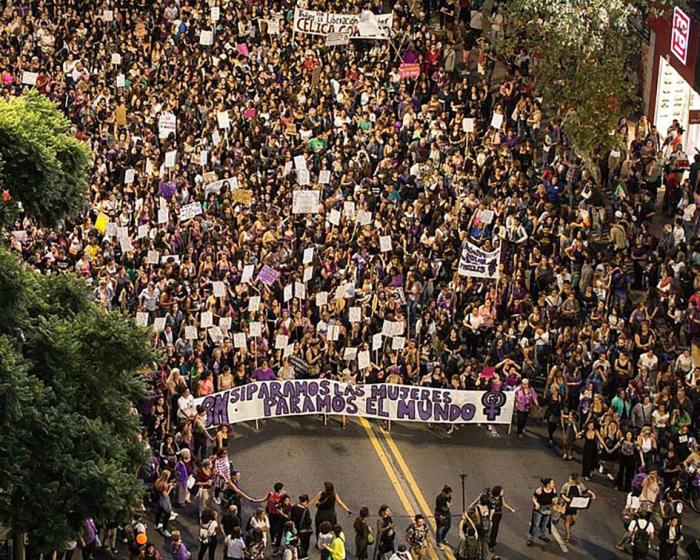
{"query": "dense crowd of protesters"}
[(598, 297)]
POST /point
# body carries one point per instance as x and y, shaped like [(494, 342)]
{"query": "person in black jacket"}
[(303, 524), (670, 535)]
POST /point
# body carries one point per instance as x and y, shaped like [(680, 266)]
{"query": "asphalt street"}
[(407, 466)]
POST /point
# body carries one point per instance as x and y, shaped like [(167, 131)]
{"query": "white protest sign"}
[(121, 80), (308, 255), (152, 257), (29, 78), (468, 124), (333, 333), (167, 124), (170, 158), (142, 318), (189, 211), (324, 176), (225, 323), (129, 175), (376, 341), (219, 289), (107, 15), (303, 177), (206, 37), (364, 218), (215, 13), (255, 329), (497, 120), (355, 314), (206, 319), (247, 275), (223, 120), (398, 343), (299, 162), (305, 202), (281, 341), (159, 324), (321, 299), (142, 231), (334, 217), (308, 273), (299, 290), (190, 332), (337, 39), (239, 340), (363, 359), (288, 292), (254, 304), (350, 354), (163, 215), (385, 243), (215, 334)]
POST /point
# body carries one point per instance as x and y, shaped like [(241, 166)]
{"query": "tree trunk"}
[(18, 548)]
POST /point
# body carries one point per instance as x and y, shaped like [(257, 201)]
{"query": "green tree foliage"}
[(41, 165), (580, 50), (69, 442)]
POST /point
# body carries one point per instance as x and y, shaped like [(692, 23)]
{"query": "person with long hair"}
[(325, 501), (362, 534), (163, 487)]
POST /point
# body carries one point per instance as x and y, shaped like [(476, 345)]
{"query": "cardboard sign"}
[(243, 196)]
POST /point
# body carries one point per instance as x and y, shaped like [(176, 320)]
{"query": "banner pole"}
[(257, 425)]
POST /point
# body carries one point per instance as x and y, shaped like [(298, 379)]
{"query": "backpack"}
[(640, 538)]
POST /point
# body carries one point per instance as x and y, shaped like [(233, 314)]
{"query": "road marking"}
[(560, 541), (394, 477), (413, 485)]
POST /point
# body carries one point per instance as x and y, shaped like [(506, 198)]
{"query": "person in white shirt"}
[(185, 406), (235, 545)]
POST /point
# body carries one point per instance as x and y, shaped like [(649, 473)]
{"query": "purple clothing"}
[(410, 57), (181, 473), (89, 530), (179, 551), (166, 190), (264, 374), (524, 399)]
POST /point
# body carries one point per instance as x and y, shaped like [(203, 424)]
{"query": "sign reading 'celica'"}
[(272, 399)]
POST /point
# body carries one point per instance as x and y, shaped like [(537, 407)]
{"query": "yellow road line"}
[(387, 467), (393, 476), (413, 485)]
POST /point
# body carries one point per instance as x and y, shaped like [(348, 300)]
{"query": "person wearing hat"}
[(443, 519)]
